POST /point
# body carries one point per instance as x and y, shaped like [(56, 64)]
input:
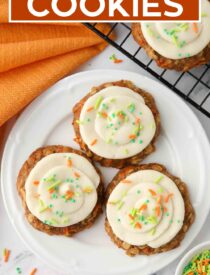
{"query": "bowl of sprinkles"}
[(196, 261)]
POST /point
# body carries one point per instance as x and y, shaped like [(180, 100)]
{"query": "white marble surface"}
[(24, 259)]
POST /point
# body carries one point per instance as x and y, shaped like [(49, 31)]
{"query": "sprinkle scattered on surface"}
[(115, 59), (33, 271)]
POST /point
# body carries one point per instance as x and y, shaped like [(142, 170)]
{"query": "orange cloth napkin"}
[(35, 56)]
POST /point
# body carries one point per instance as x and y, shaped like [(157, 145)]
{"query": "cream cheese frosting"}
[(116, 123), (179, 40), (146, 209), (61, 189)]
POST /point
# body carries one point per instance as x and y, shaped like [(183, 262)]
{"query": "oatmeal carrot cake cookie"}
[(117, 124), (61, 190), (178, 46), (148, 210)]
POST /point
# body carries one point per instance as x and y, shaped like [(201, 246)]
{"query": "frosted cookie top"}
[(179, 40), (115, 123), (146, 209), (61, 189)]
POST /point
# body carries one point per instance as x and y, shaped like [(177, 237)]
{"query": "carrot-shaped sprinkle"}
[(165, 209), (117, 61), (137, 121), (90, 109), (77, 175), (94, 142), (33, 271), (132, 136), (157, 210), (138, 225), (36, 182), (153, 193), (167, 198), (126, 181), (131, 217), (69, 195), (69, 163), (159, 199), (195, 27), (143, 207), (104, 114), (51, 190), (6, 255)]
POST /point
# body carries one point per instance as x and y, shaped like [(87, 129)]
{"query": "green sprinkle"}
[(188, 55), (147, 201), (138, 191), (18, 269), (126, 151), (58, 182), (43, 206), (171, 221), (50, 179), (118, 220), (113, 100), (159, 179), (120, 205), (152, 219), (167, 214), (54, 221), (153, 231), (98, 102), (133, 212), (140, 141), (65, 220), (160, 190), (132, 107)]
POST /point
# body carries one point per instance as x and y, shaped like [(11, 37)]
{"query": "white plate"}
[(183, 147)]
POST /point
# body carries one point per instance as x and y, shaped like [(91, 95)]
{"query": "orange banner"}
[(103, 10)]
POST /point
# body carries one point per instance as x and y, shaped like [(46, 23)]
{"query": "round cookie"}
[(117, 124), (148, 210), (61, 190), (178, 46)]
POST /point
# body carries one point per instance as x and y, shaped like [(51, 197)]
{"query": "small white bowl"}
[(189, 255)]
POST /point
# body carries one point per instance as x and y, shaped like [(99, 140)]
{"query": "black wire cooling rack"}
[(193, 86)]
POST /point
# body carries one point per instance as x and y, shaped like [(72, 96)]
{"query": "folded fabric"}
[(35, 56)]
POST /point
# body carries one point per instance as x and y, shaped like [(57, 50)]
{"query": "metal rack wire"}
[(193, 86)]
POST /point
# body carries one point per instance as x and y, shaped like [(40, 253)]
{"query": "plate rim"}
[(56, 87)]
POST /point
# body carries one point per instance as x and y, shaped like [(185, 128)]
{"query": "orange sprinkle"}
[(137, 121), (132, 136), (195, 27), (69, 163), (131, 217), (33, 271), (6, 256), (165, 209), (153, 193), (117, 61), (167, 198), (36, 182), (120, 115), (93, 142), (159, 199), (69, 195), (126, 181), (51, 190), (77, 175), (157, 210), (90, 109), (191, 273), (143, 207), (138, 225), (104, 114)]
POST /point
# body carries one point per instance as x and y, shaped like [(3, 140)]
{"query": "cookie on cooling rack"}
[(177, 46), (148, 210), (61, 190), (117, 124)]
